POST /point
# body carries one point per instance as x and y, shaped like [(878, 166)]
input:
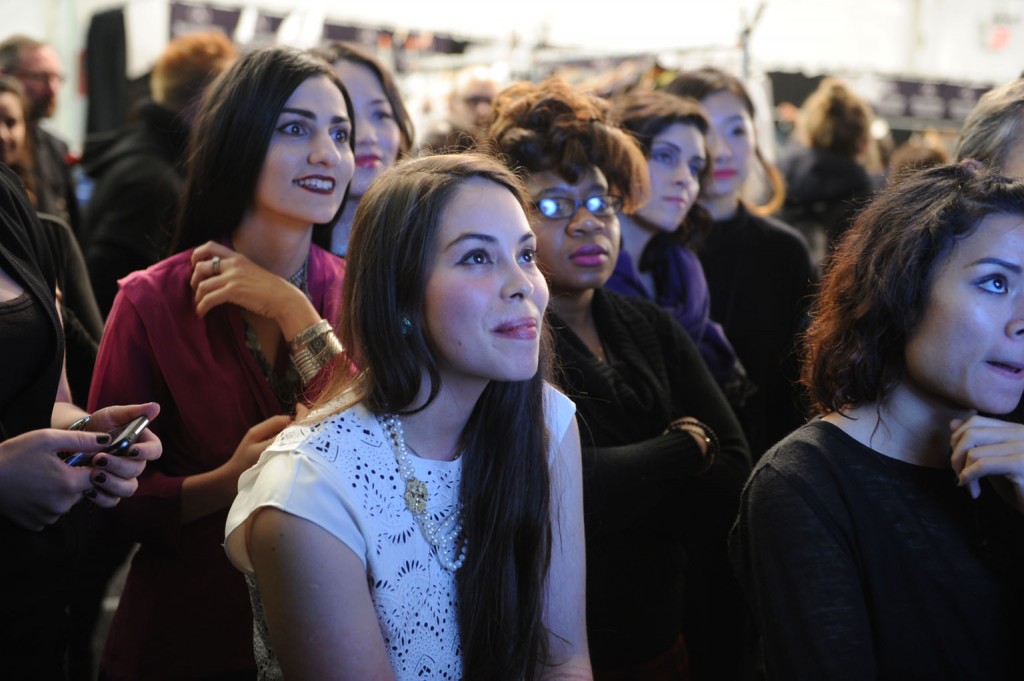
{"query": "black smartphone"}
[(121, 438)]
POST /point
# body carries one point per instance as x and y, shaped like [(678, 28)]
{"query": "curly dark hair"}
[(876, 288), (551, 126), (645, 115)]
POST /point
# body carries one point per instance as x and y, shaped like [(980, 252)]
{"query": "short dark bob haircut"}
[(647, 114), (232, 133), (877, 285)]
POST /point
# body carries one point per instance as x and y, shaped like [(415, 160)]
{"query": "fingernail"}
[(99, 478), (103, 438), (102, 463), (89, 494), (133, 453)]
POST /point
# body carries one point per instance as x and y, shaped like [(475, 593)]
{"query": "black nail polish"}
[(134, 453), (102, 463), (99, 478), (90, 494), (102, 438)]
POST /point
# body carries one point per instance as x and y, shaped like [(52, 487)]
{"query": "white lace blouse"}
[(341, 474)]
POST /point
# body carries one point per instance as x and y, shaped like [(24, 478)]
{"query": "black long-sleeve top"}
[(645, 509), (861, 566), (762, 279), (139, 178)]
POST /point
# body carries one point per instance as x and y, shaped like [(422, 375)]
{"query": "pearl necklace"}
[(443, 536)]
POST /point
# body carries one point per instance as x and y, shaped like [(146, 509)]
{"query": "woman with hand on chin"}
[(661, 447), (229, 334), (885, 540), (383, 128), (425, 520), (656, 261)]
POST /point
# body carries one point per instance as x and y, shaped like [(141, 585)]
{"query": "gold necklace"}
[(443, 537)]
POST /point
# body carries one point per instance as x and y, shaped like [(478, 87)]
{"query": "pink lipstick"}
[(520, 328), (589, 256), (368, 161)]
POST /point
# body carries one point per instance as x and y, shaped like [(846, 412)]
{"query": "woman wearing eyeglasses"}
[(664, 458)]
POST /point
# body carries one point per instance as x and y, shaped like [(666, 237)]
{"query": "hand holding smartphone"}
[(121, 438)]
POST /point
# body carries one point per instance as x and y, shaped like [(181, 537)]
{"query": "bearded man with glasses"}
[(469, 106), (36, 65)]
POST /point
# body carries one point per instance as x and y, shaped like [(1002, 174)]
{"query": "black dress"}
[(33, 572)]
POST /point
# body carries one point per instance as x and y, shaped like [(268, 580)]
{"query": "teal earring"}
[(406, 325)]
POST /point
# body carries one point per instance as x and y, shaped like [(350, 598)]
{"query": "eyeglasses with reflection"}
[(561, 207)]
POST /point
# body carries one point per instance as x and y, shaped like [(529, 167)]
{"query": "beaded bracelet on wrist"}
[(703, 431)]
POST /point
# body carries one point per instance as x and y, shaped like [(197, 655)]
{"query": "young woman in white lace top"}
[(425, 521)]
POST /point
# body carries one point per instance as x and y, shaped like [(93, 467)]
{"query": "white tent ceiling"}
[(981, 41)]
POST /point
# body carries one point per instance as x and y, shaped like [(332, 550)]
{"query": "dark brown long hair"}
[(229, 142), (708, 80), (336, 51), (505, 489), (879, 278), (645, 115)]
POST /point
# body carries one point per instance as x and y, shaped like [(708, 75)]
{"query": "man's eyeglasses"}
[(561, 208), (474, 101), (40, 76)]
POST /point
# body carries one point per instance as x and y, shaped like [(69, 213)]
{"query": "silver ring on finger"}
[(216, 265)]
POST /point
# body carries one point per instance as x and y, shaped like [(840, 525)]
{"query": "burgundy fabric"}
[(185, 611)]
